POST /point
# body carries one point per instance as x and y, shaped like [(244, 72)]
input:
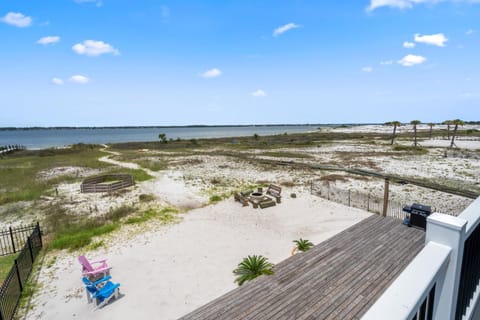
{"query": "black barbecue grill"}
[(418, 215)]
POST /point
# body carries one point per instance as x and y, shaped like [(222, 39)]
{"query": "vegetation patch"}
[(283, 154), (6, 263), (165, 215), (146, 197), (410, 149), (333, 178), (118, 213), (80, 235), (19, 172)]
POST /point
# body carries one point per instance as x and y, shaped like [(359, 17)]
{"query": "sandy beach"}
[(171, 270)]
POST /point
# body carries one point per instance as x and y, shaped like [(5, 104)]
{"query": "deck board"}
[(339, 278)]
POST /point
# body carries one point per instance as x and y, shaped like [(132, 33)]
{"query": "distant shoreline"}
[(185, 126)]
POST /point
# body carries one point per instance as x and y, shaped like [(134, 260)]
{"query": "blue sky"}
[(119, 62)]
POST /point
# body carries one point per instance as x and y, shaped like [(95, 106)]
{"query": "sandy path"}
[(167, 185), (175, 269)]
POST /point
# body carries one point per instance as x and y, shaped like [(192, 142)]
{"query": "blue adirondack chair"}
[(101, 291)]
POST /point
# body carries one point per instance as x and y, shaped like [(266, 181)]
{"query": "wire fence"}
[(357, 199), (15, 281)]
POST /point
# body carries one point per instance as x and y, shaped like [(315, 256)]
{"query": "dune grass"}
[(6, 263), (165, 215), (19, 172)]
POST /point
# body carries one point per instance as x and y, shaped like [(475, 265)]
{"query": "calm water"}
[(38, 139)]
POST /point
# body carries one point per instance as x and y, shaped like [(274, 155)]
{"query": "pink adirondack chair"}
[(101, 268)]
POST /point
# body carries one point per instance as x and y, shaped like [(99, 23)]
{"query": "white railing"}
[(411, 294), (439, 279)]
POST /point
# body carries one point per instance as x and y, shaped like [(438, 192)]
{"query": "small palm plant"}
[(302, 245), (252, 267)]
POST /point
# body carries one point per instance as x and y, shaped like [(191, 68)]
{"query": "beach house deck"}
[(337, 279), (376, 269)]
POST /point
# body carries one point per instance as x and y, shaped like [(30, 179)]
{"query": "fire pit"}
[(256, 195)]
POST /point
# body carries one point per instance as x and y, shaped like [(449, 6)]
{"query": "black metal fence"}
[(470, 274), (13, 239), (13, 285), (356, 199)]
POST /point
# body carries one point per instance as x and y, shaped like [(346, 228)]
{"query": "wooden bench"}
[(266, 203), (275, 192), (240, 198)]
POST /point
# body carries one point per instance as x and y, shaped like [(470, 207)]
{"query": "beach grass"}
[(6, 263), (281, 154), (165, 215), (79, 235), (20, 172)]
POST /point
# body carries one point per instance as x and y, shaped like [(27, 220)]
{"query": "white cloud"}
[(57, 81), (17, 19), (437, 39), (212, 73), (407, 4), (98, 3), (282, 29), (79, 79), (94, 48), (387, 62), (367, 69), (48, 40), (408, 45), (259, 93), (411, 60), (470, 32)]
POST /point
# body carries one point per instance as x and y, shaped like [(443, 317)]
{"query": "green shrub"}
[(80, 236), (146, 197), (120, 212)]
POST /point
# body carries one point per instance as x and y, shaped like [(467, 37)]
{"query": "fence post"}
[(18, 276), (30, 248), (13, 241), (385, 197), (368, 202), (39, 235), (349, 197), (328, 192)]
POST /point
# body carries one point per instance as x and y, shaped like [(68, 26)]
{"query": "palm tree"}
[(394, 124), (448, 123), (456, 122), (252, 267), (431, 125), (302, 245), (415, 123)]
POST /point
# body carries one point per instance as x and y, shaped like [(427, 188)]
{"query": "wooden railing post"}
[(385, 197), (13, 241)]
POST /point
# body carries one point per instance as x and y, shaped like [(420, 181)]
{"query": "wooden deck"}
[(337, 279)]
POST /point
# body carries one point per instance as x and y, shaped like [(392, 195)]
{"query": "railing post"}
[(18, 276), (450, 231), (385, 197), (13, 241)]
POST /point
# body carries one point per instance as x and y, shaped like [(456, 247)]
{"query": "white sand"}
[(170, 271)]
